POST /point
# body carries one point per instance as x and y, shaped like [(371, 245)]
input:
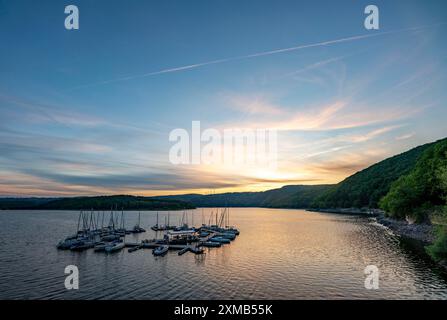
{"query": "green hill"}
[(365, 188), (421, 195), (421, 189)]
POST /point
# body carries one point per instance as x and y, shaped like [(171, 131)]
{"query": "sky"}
[(89, 111)]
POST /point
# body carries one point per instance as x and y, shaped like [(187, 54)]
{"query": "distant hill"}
[(298, 196), (22, 203), (96, 203)]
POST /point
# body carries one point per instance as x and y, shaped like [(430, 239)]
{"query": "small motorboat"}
[(114, 246), (184, 250), (82, 245), (232, 230), (228, 235), (133, 249), (161, 250), (68, 243), (101, 246), (220, 240), (211, 244), (110, 237)]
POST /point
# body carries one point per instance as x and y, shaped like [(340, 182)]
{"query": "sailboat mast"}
[(139, 217), (79, 221)]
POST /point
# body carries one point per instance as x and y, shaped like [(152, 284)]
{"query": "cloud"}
[(318, 65), (254, 55), (40, 113), (337, 115), (372, 134), (405, 136), (254, 105), (43, 144)]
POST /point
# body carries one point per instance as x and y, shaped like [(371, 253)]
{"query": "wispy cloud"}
[(334, 116), (41, 113), (318, 64), (253, 55), (374, 133), (254, 105), (405, 136)]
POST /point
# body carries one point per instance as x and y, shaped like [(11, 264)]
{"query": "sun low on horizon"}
[(93, 111)]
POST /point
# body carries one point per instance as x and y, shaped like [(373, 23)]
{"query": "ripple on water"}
[(280, 254)]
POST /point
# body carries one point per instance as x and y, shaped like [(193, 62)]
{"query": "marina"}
[(92, 233)]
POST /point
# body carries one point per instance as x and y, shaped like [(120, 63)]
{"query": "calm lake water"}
[(280, 254)]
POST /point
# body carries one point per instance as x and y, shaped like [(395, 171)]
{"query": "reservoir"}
[(279, 254)]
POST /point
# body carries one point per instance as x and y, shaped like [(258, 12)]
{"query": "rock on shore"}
[(418, 231)]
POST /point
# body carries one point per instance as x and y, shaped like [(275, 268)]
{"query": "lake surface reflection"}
[(280, 254)]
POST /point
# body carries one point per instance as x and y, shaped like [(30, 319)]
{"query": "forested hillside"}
[(367, 187)]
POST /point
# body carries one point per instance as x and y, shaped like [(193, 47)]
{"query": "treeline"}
[(422, 189), (119, 202), (422, 195), (22, 203)]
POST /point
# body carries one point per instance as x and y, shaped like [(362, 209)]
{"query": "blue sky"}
[(89, 111)]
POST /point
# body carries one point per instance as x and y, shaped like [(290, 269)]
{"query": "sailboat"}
[(157, 227), (137, 228)]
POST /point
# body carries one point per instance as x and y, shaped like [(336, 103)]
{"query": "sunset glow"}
[(340, 97)]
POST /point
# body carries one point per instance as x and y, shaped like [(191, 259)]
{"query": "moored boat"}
[(135, 248), (161, 250), (211, 244), (82, 245), (232, 230), (220, 240), (110, 237), (68, 243), (228, 235), (101, 246), (115, 246)]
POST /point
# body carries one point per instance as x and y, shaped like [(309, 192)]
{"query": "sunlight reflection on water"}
[(280, 254)]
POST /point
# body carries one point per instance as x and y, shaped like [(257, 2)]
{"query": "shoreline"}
[(423, 232)]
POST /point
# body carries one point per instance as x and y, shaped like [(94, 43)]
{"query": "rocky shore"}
[(418, 231)]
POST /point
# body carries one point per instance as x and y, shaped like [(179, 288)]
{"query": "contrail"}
[(254, 55)]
